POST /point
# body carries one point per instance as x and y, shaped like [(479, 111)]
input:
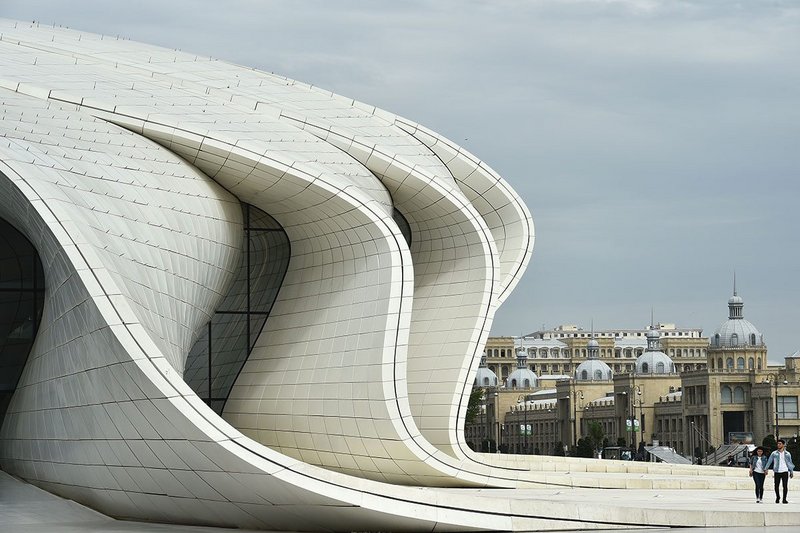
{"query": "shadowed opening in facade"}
[(218, 355), (21, 303)]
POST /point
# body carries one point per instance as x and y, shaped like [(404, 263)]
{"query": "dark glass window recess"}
[(21, 303), (224, 344), (403, 224)]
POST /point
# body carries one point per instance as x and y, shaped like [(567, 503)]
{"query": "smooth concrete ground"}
[(28, 509)]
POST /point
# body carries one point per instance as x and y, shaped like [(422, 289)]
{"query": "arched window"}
[(758, 363), (527, 384), (753, 339), (738, 395), (719, 363), (740, 363), (729, 363), (645, 368), (486, 381), (716, 339), (660, 369), (734, 339), (727, 395), (513, 383), (598, 374), (751, 364), (584, 374)]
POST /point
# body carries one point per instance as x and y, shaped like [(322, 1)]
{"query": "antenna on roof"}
[(734, 283)]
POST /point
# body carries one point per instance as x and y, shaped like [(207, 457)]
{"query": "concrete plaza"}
[(28, 509)]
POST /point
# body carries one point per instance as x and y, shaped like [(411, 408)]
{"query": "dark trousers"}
[(759, 481), (783, 477)]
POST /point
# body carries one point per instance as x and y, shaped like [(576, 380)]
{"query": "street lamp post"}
[(485, 420), (773, 379), (522, 398), (641, 413), (631, 408), (496, 419), (575, 394)]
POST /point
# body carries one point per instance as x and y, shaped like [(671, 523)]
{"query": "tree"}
[(793, 447), (769, 442), (474, 405), (559, 449), (596, 435), (585, 447)]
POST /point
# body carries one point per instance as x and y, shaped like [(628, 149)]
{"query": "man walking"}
[(782, 469)]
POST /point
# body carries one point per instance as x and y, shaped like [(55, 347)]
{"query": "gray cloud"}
[(655, 142)]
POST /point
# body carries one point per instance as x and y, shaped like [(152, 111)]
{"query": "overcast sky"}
[(656, 143)]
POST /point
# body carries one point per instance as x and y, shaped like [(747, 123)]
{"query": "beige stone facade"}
[(718, 393), (557, 352)]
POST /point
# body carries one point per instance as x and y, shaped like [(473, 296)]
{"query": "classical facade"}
[(731, 396), (738, 397), (559, 351)]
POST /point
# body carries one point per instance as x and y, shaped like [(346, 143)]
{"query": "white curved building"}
[(241, 300)]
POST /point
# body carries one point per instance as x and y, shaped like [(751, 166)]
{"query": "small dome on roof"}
[(653, 360), (735, 299), (736, 331), (593, 370), (484, 377), (654, 363), (523, 377)]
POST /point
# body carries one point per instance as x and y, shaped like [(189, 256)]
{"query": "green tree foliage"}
[(585, 448), (793, 447), (596, 435), (474, 405), (769, 442), (559, 449)]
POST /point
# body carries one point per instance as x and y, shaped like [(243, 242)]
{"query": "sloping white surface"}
[(366, 359)]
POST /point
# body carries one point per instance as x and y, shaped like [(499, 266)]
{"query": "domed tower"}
[(523, 377), (653, 360), (485, 377), (737, 344), (593, 369)]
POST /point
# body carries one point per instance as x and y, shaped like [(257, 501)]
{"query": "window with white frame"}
[(787, 407)]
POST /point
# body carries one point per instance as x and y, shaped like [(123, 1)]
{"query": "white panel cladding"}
[(358, 338), (282, 147), (101, 417), (162, 236)]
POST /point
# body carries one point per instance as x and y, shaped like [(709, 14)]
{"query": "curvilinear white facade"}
[(254, 303)]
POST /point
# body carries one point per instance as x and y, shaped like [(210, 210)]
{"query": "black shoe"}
[(777, 500), (784, 501)]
